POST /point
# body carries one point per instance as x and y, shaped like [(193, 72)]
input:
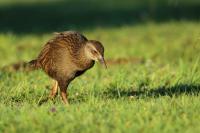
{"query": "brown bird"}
[(68, 55)]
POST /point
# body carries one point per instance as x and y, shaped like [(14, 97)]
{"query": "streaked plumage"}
[(68, 55)]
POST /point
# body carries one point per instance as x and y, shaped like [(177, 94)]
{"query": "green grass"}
[(158, 94)]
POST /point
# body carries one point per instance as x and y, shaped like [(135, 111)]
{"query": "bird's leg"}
[(54, 90), (52, 94), (64, 96), (63, 91)]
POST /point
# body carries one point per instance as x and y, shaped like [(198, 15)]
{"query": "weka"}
[(68, 55)]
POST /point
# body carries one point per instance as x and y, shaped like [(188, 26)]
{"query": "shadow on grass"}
[(113, 93), (154, 92), (78, 14)]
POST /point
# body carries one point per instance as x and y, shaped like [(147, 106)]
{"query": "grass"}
[(158, 94), (152, 83)]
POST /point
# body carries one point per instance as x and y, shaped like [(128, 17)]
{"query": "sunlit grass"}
[(158, 94)]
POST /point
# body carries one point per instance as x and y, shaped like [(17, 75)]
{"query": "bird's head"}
[(95, 51)]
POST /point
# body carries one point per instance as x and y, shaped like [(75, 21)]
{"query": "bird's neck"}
[(84, 61)]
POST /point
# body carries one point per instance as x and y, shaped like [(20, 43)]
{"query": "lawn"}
[(152, 83)]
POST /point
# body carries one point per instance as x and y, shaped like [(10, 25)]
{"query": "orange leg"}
[(63, 94), (54, 90), (53, 93), (63, 91)]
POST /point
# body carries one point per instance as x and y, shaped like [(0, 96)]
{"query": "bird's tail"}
[(34, 64), (21, 66)]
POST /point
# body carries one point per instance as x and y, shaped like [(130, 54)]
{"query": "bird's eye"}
[(94, 52)]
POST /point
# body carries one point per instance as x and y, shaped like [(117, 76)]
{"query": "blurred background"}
[(163, 27), (44, 16)]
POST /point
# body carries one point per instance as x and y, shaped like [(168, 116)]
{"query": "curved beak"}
[(102, 61)]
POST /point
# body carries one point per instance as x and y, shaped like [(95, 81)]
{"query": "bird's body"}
[(65, 57)]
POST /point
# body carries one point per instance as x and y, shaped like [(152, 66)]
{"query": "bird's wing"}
[(71, 37), (72, 40), (68, 42)]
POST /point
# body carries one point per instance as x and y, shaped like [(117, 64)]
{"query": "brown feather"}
[(63, 58)]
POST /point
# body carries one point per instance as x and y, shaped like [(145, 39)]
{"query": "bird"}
[(68, 55)]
